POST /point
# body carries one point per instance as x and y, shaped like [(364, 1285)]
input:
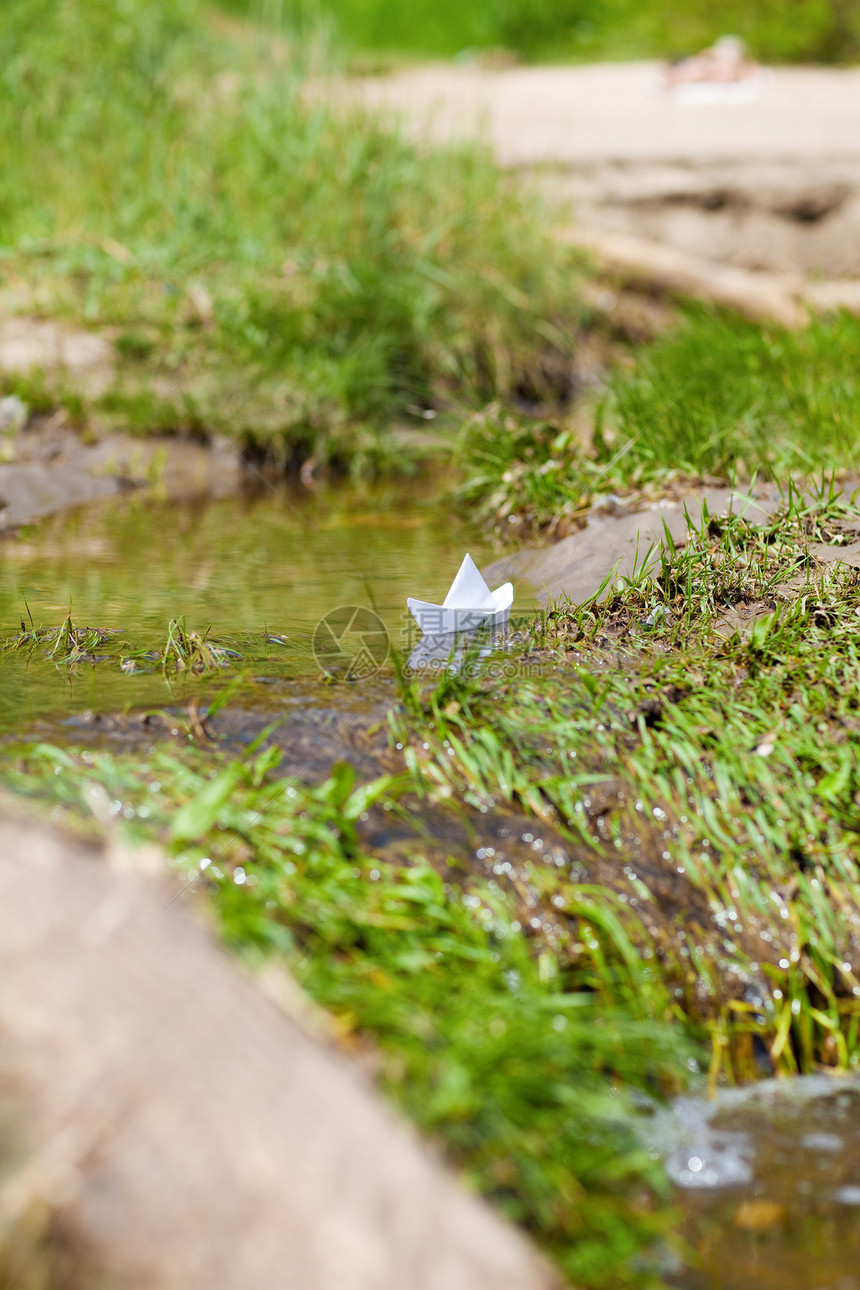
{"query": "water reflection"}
[(456, 652), (247, 567)]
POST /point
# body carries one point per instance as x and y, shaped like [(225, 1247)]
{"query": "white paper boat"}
[(468, 604)]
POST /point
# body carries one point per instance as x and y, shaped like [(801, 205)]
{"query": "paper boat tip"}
[(468, 604)]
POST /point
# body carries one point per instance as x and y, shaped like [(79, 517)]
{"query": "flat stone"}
[(610, 547), (54, 469), (31, 489)]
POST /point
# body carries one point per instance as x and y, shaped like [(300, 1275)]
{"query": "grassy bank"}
[(676, 771), (715, 397), (561, 29), (302, 274), (300, 277), (694, 737)]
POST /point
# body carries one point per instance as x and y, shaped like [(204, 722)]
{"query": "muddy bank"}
[(47, 465), (312, 724)]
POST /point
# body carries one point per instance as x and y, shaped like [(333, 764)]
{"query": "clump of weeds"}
[(64, 644), (184, 649)]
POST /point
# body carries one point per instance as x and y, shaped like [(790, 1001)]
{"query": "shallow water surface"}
[(256, 565), (768, 1180)]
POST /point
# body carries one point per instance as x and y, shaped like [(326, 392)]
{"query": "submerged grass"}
[(184, 650), (302, 274)]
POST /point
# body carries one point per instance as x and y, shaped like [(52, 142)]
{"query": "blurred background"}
[(803, 31)]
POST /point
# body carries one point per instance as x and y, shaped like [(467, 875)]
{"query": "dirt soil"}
[(771, 183), (619, 539), (46, 467)]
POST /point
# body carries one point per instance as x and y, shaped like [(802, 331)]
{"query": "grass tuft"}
[(187, 651), (184, 649)]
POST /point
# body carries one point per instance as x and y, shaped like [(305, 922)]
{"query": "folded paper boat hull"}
[(443, 620)]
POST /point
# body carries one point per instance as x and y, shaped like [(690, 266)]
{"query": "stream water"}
[(260, 569), (768, 1179)]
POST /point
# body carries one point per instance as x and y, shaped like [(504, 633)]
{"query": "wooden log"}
[(763, 297)]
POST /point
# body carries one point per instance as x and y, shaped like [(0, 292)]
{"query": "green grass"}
[(562, 29), (519, 1064), (720, 395), (716, 397), (704, 766), (525, 475), (302, 274), (679, 774)]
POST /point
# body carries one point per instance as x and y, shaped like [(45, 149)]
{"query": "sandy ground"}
[(197, 1136), (771, 183)]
